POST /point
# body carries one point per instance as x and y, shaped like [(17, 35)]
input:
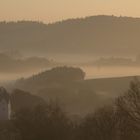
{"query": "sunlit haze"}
[(54, 10), (69, 69)]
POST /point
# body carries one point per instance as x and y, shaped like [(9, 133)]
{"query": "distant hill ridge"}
[(98, 35), (61, 84), (71, 78)]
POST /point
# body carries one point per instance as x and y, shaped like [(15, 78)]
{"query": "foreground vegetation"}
[(118, 121)]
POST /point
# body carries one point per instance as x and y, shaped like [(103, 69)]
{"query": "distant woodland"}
[(92, 35), (68, 87), (34, 118), (59, 103), (14, 64)]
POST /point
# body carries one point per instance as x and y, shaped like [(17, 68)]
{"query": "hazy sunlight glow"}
[(54, 10)]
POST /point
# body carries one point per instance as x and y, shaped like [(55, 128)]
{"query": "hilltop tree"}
[(55, 77)]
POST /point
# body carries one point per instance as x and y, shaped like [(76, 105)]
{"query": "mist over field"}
[(76, 79), (106, 45)]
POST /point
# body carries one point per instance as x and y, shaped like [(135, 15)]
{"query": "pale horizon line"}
[(66, 19)]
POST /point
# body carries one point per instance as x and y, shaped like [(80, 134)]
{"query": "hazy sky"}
[(54, 10)]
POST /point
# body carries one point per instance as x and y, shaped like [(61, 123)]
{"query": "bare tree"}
[(102, 125), (128, 112)]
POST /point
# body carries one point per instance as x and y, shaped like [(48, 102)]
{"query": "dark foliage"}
[(118, 121), (43, 122)]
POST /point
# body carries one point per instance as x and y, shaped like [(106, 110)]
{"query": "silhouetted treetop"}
[(58, 74), (64, 74)]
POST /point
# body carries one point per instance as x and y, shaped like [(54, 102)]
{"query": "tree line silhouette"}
[(93, 35), (118, 121)]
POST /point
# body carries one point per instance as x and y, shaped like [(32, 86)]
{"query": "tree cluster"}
[(118, 121)]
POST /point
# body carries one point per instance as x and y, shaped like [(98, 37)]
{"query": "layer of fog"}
[(15, 65), (106, 72), (91, 72)]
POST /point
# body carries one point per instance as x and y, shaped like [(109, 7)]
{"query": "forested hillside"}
[(91, 35)]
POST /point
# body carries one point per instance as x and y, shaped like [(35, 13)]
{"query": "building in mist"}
[(4, 105)]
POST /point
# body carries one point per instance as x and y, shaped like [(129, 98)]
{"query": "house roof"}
[(4, 94)]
